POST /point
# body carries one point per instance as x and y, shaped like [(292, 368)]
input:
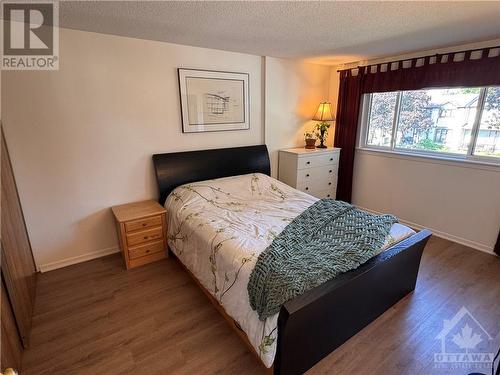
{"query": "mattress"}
[(218, 228)]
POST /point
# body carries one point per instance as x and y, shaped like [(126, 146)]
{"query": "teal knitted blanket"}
[(329, 238)]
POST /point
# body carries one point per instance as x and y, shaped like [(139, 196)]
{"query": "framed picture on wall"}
[(213, 101)]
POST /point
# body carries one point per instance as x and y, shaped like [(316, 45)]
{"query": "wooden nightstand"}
[(142, 229)]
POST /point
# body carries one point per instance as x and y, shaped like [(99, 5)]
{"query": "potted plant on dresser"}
[(310, 139)]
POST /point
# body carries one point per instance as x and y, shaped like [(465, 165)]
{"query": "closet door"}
[(18, 266), (11, 342)]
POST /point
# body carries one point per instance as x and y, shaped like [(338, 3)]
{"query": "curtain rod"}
[(418, 58)]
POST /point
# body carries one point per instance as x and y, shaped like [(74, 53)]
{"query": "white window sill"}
[(434, 159)]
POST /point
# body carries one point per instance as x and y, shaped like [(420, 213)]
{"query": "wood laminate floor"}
[(97, 318)]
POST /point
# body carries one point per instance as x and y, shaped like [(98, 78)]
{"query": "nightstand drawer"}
[(147, 249), (144, 236), (317, 160), (146, 223), (147, 259)]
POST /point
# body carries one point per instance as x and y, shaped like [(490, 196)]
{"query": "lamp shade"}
[(324, 112)]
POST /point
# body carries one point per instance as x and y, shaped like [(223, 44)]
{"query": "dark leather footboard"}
[(312, 325)]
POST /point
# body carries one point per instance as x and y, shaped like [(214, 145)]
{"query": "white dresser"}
[(311, 171)]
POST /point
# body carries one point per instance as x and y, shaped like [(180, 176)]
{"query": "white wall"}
[(457, 201), (81, 138), (293, 91)]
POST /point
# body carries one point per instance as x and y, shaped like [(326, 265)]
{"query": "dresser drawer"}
[(146, 249), (324, 194), (317, 173), (317, 160), (317, 185), (145, 223), (144, 236)]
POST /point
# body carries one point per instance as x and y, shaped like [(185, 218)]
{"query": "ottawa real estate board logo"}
[(30, 35), (465, 344)]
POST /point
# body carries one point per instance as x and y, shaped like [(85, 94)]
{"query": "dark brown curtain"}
[(447, 70), (345, 130), (457, 69)]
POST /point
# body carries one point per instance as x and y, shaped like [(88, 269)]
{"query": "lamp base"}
[(321, 146)]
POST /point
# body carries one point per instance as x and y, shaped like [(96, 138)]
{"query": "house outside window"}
[(462, 123)]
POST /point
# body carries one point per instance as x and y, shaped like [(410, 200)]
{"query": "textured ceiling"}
[(327, 32)]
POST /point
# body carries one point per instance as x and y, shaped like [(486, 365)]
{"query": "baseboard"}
[(447, 236), (112, 250), (78, 259)]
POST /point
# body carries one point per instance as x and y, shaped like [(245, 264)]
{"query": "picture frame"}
[(213, 100)]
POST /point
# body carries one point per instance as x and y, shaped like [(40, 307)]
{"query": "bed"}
[(223, 210)]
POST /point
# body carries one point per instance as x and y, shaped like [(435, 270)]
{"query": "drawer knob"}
[(145, 237), (331, 159), (307, 175), (307, 188), (308, 162), (147, 251), (144, 224), (329, 183), (328, 196), (330, 171)]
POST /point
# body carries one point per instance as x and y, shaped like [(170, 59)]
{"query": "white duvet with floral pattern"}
[(217, 229)]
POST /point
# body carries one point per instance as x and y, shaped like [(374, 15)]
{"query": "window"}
[(440, 135), (381, 118), (457, 122), (446, 112), (488, 138)]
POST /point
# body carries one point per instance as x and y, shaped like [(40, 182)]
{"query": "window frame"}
[(363, 124)]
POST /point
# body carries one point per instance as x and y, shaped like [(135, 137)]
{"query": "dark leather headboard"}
[(178, 168)]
